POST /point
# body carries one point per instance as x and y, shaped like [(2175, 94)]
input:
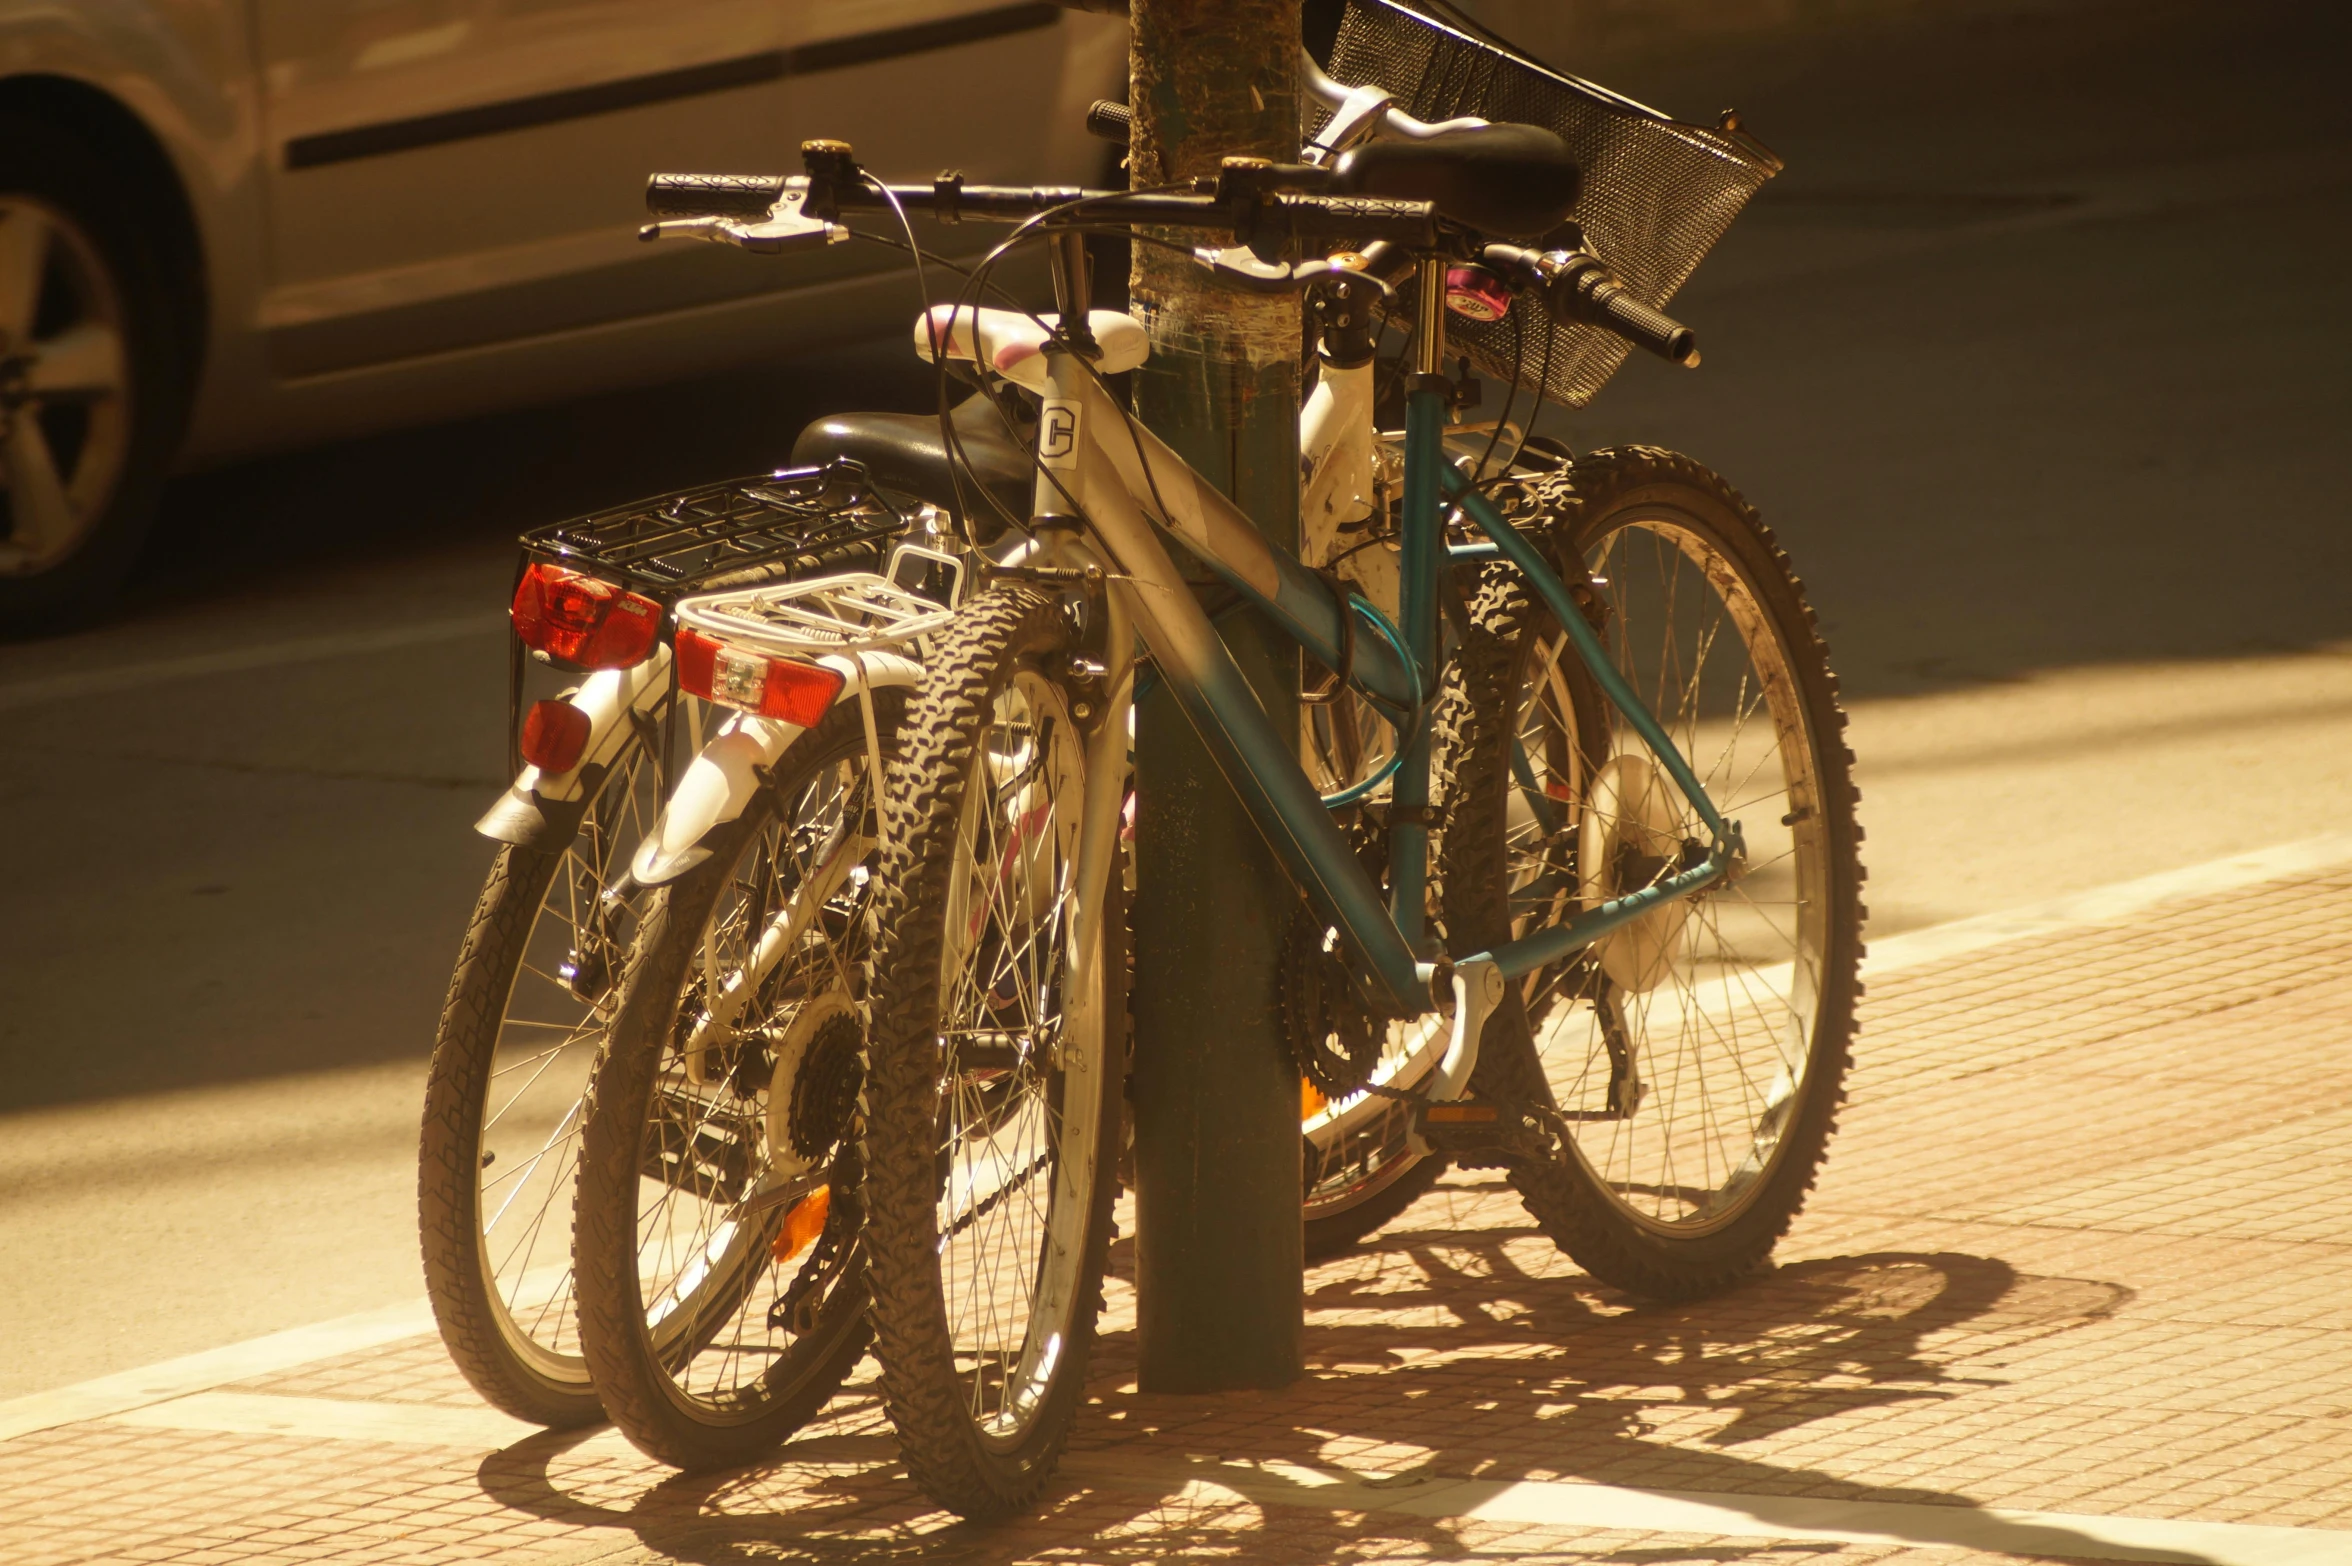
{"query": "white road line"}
[(127, 1390), (2067, 1535), (236, 660), (2107, 904), (475, 1428)]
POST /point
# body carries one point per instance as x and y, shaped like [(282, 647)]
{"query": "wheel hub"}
[(1634, 833)]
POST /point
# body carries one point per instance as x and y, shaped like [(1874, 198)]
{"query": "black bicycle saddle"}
[(1512, 180), (903, 452)]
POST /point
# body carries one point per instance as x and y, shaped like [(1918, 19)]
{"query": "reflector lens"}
[(1311, 1103), (581, 620), (1476, 294), (804, 1223), (554, 734), (799, 693)]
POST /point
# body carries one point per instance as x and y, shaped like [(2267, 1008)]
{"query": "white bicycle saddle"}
[(1013, 344)]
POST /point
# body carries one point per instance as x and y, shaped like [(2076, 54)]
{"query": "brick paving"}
[(2078, 1248)]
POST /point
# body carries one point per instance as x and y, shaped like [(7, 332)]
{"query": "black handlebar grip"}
[(1589, 293), (1320, 224), (1111, 121), (712, 195)]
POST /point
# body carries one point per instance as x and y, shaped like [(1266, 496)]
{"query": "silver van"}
[(231, 225)]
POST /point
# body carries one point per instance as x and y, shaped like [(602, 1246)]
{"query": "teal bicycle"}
[(1609, 862)]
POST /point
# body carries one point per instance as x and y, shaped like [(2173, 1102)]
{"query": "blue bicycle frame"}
[(1128, 484)]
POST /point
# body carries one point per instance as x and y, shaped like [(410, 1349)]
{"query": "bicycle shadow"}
[(1432, 1345)]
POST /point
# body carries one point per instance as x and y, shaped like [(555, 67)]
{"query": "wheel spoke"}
[(24, 256), (43, 514), (85, 362)]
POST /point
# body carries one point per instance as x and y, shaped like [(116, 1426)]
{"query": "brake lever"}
[(1239, 265), (786, 227)]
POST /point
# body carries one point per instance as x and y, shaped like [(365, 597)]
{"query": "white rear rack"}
[(853, 613)]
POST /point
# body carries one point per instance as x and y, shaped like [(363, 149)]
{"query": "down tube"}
[(1255, 760)]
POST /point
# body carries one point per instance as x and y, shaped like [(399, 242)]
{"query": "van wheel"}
[(92, 385)]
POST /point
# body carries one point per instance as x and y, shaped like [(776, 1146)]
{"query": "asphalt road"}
[(2032, 358)]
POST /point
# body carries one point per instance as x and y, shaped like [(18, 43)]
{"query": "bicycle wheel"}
[(722, 1289), (1689, 1064), (526, 1012), (998, 1053)]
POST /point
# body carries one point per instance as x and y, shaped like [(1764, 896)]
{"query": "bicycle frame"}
[(1092, 455)]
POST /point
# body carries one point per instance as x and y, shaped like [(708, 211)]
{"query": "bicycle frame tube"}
[(1259, 762), (1548, 586), (1550, 945), (1215, 529)]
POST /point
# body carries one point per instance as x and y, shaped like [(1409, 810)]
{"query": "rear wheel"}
[(998, 1054), (1689, 1064), (504, 1101), (716, 1228)]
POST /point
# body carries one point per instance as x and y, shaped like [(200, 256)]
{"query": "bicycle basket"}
[(796, 522), (1657, 193)]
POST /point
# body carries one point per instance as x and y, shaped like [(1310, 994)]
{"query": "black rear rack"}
[(790, 523)]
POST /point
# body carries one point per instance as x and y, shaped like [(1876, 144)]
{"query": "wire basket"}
[(1657, 193), (796, 522)]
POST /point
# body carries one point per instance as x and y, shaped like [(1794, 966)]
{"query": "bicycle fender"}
[(542, 809), (719, 782)]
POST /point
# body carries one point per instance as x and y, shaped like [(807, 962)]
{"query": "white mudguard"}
[(719, 782)]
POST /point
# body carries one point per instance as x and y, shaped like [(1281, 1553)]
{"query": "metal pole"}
[(1218, 1245)]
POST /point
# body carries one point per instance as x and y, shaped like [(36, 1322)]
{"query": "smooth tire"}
[(722, 1286), (504, 1100), (95, 371), (1689, 1066), (997, 1061)]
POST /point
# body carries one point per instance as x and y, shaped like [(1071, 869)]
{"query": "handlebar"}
[(1578, 286), (768, 212), (1262, 205)]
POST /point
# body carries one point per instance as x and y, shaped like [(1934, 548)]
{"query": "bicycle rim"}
[(557, 1007), (1678, 1048)]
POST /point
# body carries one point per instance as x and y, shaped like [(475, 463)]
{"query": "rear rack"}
[(794, 522), (854, 613)]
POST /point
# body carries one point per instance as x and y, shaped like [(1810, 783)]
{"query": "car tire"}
[(93, 364)]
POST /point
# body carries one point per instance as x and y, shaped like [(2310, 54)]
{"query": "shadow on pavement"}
[(1509, 1377)]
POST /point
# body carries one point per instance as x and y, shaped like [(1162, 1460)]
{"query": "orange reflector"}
[(554, 734), (1555, 789), (1311, 1103), (1444, 1114), (804, 1223)]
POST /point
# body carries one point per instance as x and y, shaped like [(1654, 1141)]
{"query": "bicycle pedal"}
[(1476, 1132)]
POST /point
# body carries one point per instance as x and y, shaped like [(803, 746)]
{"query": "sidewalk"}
[(2074, 1286)]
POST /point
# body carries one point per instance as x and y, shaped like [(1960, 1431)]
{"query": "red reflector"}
[(583, 621), (554, 734), (799, 693)]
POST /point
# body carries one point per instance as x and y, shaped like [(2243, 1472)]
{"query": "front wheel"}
[(996, 1063), (1688, 1066)]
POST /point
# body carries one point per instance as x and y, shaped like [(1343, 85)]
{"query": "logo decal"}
[(1057, 435)]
